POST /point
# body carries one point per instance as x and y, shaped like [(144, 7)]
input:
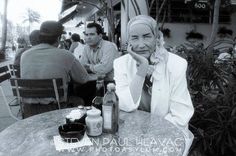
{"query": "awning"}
[(84, 9), (66, 4), (68, 17)]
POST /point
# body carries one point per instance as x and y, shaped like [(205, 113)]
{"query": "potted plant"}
[(213, 90), (224, 31)]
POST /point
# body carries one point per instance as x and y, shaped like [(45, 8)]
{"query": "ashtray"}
[(72, 132)]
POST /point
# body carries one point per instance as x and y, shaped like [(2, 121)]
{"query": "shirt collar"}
[(97, 47)]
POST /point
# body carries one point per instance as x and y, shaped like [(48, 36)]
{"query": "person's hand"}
[(144, 69), (138, 58)]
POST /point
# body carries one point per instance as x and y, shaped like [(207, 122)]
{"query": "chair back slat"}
[(14, 70), (5, 77), (3, 69), (36, 83), (37, 93), (38, 88), (4, 74)]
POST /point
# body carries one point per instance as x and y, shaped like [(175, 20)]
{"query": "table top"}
[(140, 133)]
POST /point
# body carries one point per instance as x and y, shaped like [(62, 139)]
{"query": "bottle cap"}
[(80, 107), (88, 108), (111, 86), (94, 112)]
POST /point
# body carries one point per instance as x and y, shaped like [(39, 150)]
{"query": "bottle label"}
[(94, 128), (107, 117)]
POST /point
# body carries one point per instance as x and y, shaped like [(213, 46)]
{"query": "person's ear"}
[(100, 35)]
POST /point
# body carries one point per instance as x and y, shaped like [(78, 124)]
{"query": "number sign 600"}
[(200, 5)]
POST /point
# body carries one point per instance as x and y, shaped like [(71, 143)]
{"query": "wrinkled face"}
[(142, 40), (91, 36)]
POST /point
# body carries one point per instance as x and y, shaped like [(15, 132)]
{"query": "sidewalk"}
[(5, 119)]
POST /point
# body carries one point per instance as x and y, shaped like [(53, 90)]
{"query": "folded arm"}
[(106, 63)]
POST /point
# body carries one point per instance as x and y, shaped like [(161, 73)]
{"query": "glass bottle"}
[(110, 110), (100, 91)]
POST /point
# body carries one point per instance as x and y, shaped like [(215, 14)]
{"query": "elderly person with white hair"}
[(151, 79)]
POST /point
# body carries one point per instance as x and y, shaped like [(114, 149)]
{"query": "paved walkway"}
[(5, 119)]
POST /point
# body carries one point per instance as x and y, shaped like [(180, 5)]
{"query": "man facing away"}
[(45, 61), (97, 58)]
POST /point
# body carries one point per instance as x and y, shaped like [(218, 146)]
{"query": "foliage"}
[(21, 31), (225, 31), (166, 32), (212, 85), (194, 35), (31, 16)]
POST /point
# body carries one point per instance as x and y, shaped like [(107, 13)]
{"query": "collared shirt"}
[(100, 59)]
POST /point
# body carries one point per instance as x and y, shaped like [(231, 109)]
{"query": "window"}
[(192, 12)]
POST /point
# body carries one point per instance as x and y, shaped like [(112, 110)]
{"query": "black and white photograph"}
[(118, 77)]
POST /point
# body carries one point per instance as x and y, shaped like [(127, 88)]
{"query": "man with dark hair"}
[(47, 61), (97, 58), (34, 37), (98, 27), (75, 38)]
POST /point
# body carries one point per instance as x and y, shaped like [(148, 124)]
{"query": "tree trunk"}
[(29, 27), (157, 8), (151, 5), (110, 18), (4, 32), (161, 7), (163, 21), (215, 25)]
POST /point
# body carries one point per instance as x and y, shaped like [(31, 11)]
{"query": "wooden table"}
[(140, 133)]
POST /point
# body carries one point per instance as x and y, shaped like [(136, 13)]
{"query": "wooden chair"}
[(14, 70), (37, 88), (5, 75)]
